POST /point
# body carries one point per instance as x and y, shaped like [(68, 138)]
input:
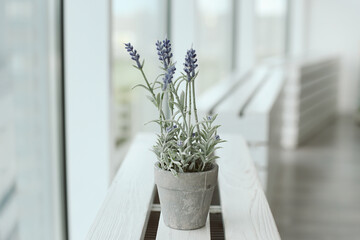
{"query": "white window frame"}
[(87, 36)]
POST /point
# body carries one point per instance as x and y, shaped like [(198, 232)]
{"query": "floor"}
[(317, 188)]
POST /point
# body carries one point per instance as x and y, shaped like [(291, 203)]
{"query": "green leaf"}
[(158, 99), (182, 99), (141, 85), (153, 101)]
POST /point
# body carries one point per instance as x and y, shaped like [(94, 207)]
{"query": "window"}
[(270, 28), (213, 41), (142, 23), (30, 151)]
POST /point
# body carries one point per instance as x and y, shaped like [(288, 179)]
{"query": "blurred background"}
[(68, 112)]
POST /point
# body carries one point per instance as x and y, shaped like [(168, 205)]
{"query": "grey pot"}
[(185, 199)]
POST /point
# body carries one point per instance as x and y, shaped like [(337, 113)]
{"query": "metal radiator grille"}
[(216, 222)]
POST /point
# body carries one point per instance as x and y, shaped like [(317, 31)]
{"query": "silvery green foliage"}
[(182, 145)]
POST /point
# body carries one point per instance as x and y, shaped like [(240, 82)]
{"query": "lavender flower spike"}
[(190, 64), (168, 76), (133, 53), (164, 52), (169, 129)]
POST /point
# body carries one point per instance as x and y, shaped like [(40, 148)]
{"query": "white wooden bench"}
[(245, 104), (244, 207)]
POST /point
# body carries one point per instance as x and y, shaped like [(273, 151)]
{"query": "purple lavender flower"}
[(133, 53), (217, 137), (180, 143), (164, 52), (190, 64), (169, 129), (168, 76), (209, 118)]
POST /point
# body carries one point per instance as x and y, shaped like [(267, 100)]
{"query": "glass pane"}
[(270, 28), (141, 22), (213, 41), (29, 134)]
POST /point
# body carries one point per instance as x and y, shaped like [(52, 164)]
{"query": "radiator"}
[(308, 100)]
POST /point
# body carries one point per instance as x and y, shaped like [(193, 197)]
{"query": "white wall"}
[(332, 26)]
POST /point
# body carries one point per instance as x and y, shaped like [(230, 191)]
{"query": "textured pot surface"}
[(185, 199)]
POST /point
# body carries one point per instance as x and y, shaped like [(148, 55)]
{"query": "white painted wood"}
[(263, 178), (9, 218), (245, 209), (259, 154), (256, 118), (208, 101), (234, 103), (245, 108), (166, 233), (264, 100), (124, 213), (240, 96), (8, 205), (7, 177)]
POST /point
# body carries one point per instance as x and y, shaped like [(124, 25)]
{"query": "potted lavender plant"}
[(185, 171)]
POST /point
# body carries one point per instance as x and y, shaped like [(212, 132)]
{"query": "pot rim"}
[(214, 167), (188, 181)]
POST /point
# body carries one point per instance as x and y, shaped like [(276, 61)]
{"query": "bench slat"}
[(209, 100), (245, 210), (125, 210), (235, 102), (263, 102), (166, 233), (230, 108)]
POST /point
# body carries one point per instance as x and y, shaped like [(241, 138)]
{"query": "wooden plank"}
[(246, 212), (236, 101), (230, 108), (264, 100), (9, 217), (125, 210), (166, 233), (209, 100)]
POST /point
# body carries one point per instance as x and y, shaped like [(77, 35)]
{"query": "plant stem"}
[(167, 105), (178, 100), (162, 115), (190, 134), (161, 100), (195, 109), (186, 98)]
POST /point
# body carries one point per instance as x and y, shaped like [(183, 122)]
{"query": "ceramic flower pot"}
[(185, 199)]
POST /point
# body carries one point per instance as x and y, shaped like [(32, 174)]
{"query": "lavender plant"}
[(184, 144)]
